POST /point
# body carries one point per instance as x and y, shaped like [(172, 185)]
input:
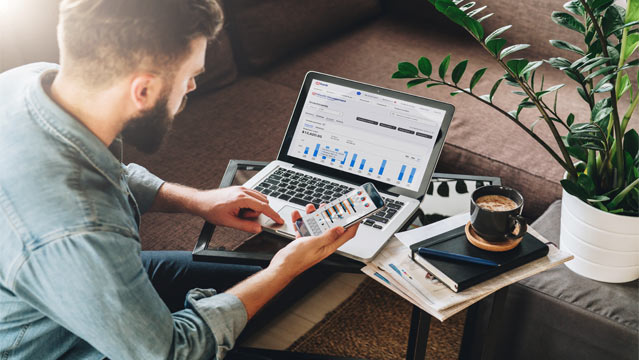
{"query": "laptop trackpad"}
[(285, 213)]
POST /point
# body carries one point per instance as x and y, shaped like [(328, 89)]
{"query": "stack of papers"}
[(394, 268)]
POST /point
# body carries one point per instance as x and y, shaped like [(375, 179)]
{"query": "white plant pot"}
[(605, 246)]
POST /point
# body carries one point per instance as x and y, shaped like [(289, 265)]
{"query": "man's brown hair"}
[(105, 39)]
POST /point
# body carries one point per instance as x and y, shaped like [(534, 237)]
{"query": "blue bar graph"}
[(345, 156), (370, 170), (381, 169), (401, 173), (333, 160), (323, 157), (306, 151), (316, 150), (361, 166), (353, 160), (412, 174)]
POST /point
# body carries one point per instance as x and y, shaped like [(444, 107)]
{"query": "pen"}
[(428, 252)]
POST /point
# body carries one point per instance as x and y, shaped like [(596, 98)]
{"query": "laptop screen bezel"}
[(353, 178)]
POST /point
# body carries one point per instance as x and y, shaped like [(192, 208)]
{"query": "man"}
[(73, 282)]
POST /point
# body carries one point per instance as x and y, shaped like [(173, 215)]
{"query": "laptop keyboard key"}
[(393, 206), (378, 219), (298, 201), (284, 197), (376, 226)]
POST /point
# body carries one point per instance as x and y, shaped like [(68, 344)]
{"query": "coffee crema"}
[(496, 203)]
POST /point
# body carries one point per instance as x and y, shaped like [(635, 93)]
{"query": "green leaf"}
[(632, 43), (624, 85), (511, 49), (458, 71), (407, 68), (568, 21), (559, 63), (485, 97), (632, 10), (599, 6), (476, 76), (456, 15), (476, 11), (574, 189), (570, 120), (612, 31), (532, 126), (613, 19), (598, 199), (485, 17), (603, 86), (467, 6), (631, 143), (560, 44), (495, 45), (443, 67), (583, 94), (415, 82), (456, 92), (474, 27), (428, 86), (497, 32), (585, 182), (578, 152), (402, 75), (494, 89), (603, 70), (531, 66), (594, 64), (517, 65), (575, 7), (442, 5), (425, 66)]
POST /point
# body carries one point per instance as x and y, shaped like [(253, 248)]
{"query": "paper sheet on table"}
[(433, 296)]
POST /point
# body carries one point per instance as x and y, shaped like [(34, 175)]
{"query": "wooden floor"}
[(307, 312)]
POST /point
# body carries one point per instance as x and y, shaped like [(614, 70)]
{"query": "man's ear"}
[(145, 90)]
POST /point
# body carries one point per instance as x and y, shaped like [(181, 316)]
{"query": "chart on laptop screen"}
[(366, 134)]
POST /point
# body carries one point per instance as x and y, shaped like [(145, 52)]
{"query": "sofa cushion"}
[(263, 31)]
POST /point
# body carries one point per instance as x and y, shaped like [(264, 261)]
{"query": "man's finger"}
[(262, 207), (256, 194), (347, 235), (247, 225), (249, 214), (310, 208)]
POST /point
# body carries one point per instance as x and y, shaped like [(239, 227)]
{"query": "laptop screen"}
[(372, 134)]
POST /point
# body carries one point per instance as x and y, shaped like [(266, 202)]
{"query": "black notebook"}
[(462, 275)]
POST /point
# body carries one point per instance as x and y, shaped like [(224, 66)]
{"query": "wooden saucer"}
[(475, 239)]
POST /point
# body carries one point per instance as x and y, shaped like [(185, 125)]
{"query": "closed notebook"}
[(459, 275)]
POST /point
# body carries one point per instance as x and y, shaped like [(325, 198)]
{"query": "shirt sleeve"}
[(95, 286), (143, 184)]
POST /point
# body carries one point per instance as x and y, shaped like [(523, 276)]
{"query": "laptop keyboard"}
[(303, 189)]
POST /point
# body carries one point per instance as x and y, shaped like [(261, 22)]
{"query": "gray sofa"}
[(244, 101)]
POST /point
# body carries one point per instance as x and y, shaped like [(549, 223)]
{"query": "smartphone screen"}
[(344, 211)]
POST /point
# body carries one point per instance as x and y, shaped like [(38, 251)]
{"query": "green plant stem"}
[(631, 109), (567, 162), (554, 113), (615, 111), (519, 123), (613, 204)]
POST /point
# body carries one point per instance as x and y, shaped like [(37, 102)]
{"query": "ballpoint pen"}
[(432, 253)]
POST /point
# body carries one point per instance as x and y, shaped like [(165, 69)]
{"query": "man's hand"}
[(292, 260), (235, 207), (304, 252)]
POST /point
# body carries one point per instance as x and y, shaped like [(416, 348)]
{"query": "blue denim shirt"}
[(72, 283)]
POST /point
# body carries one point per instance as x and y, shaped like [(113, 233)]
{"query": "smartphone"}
[(347, 210)]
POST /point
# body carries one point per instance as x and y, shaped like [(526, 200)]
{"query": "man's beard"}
[(146, 132)]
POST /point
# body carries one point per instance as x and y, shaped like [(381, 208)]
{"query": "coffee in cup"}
[(495, 213)]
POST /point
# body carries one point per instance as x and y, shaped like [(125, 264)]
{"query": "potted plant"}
[(600, 155)]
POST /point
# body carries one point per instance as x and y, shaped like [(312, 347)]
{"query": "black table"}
[(448, 194)]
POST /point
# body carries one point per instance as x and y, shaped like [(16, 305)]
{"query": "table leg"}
[(483, 348), (418, 335)]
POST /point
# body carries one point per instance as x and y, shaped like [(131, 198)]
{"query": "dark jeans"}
[(174, 273)]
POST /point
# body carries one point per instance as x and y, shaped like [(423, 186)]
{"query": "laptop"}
[(345, 133)]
